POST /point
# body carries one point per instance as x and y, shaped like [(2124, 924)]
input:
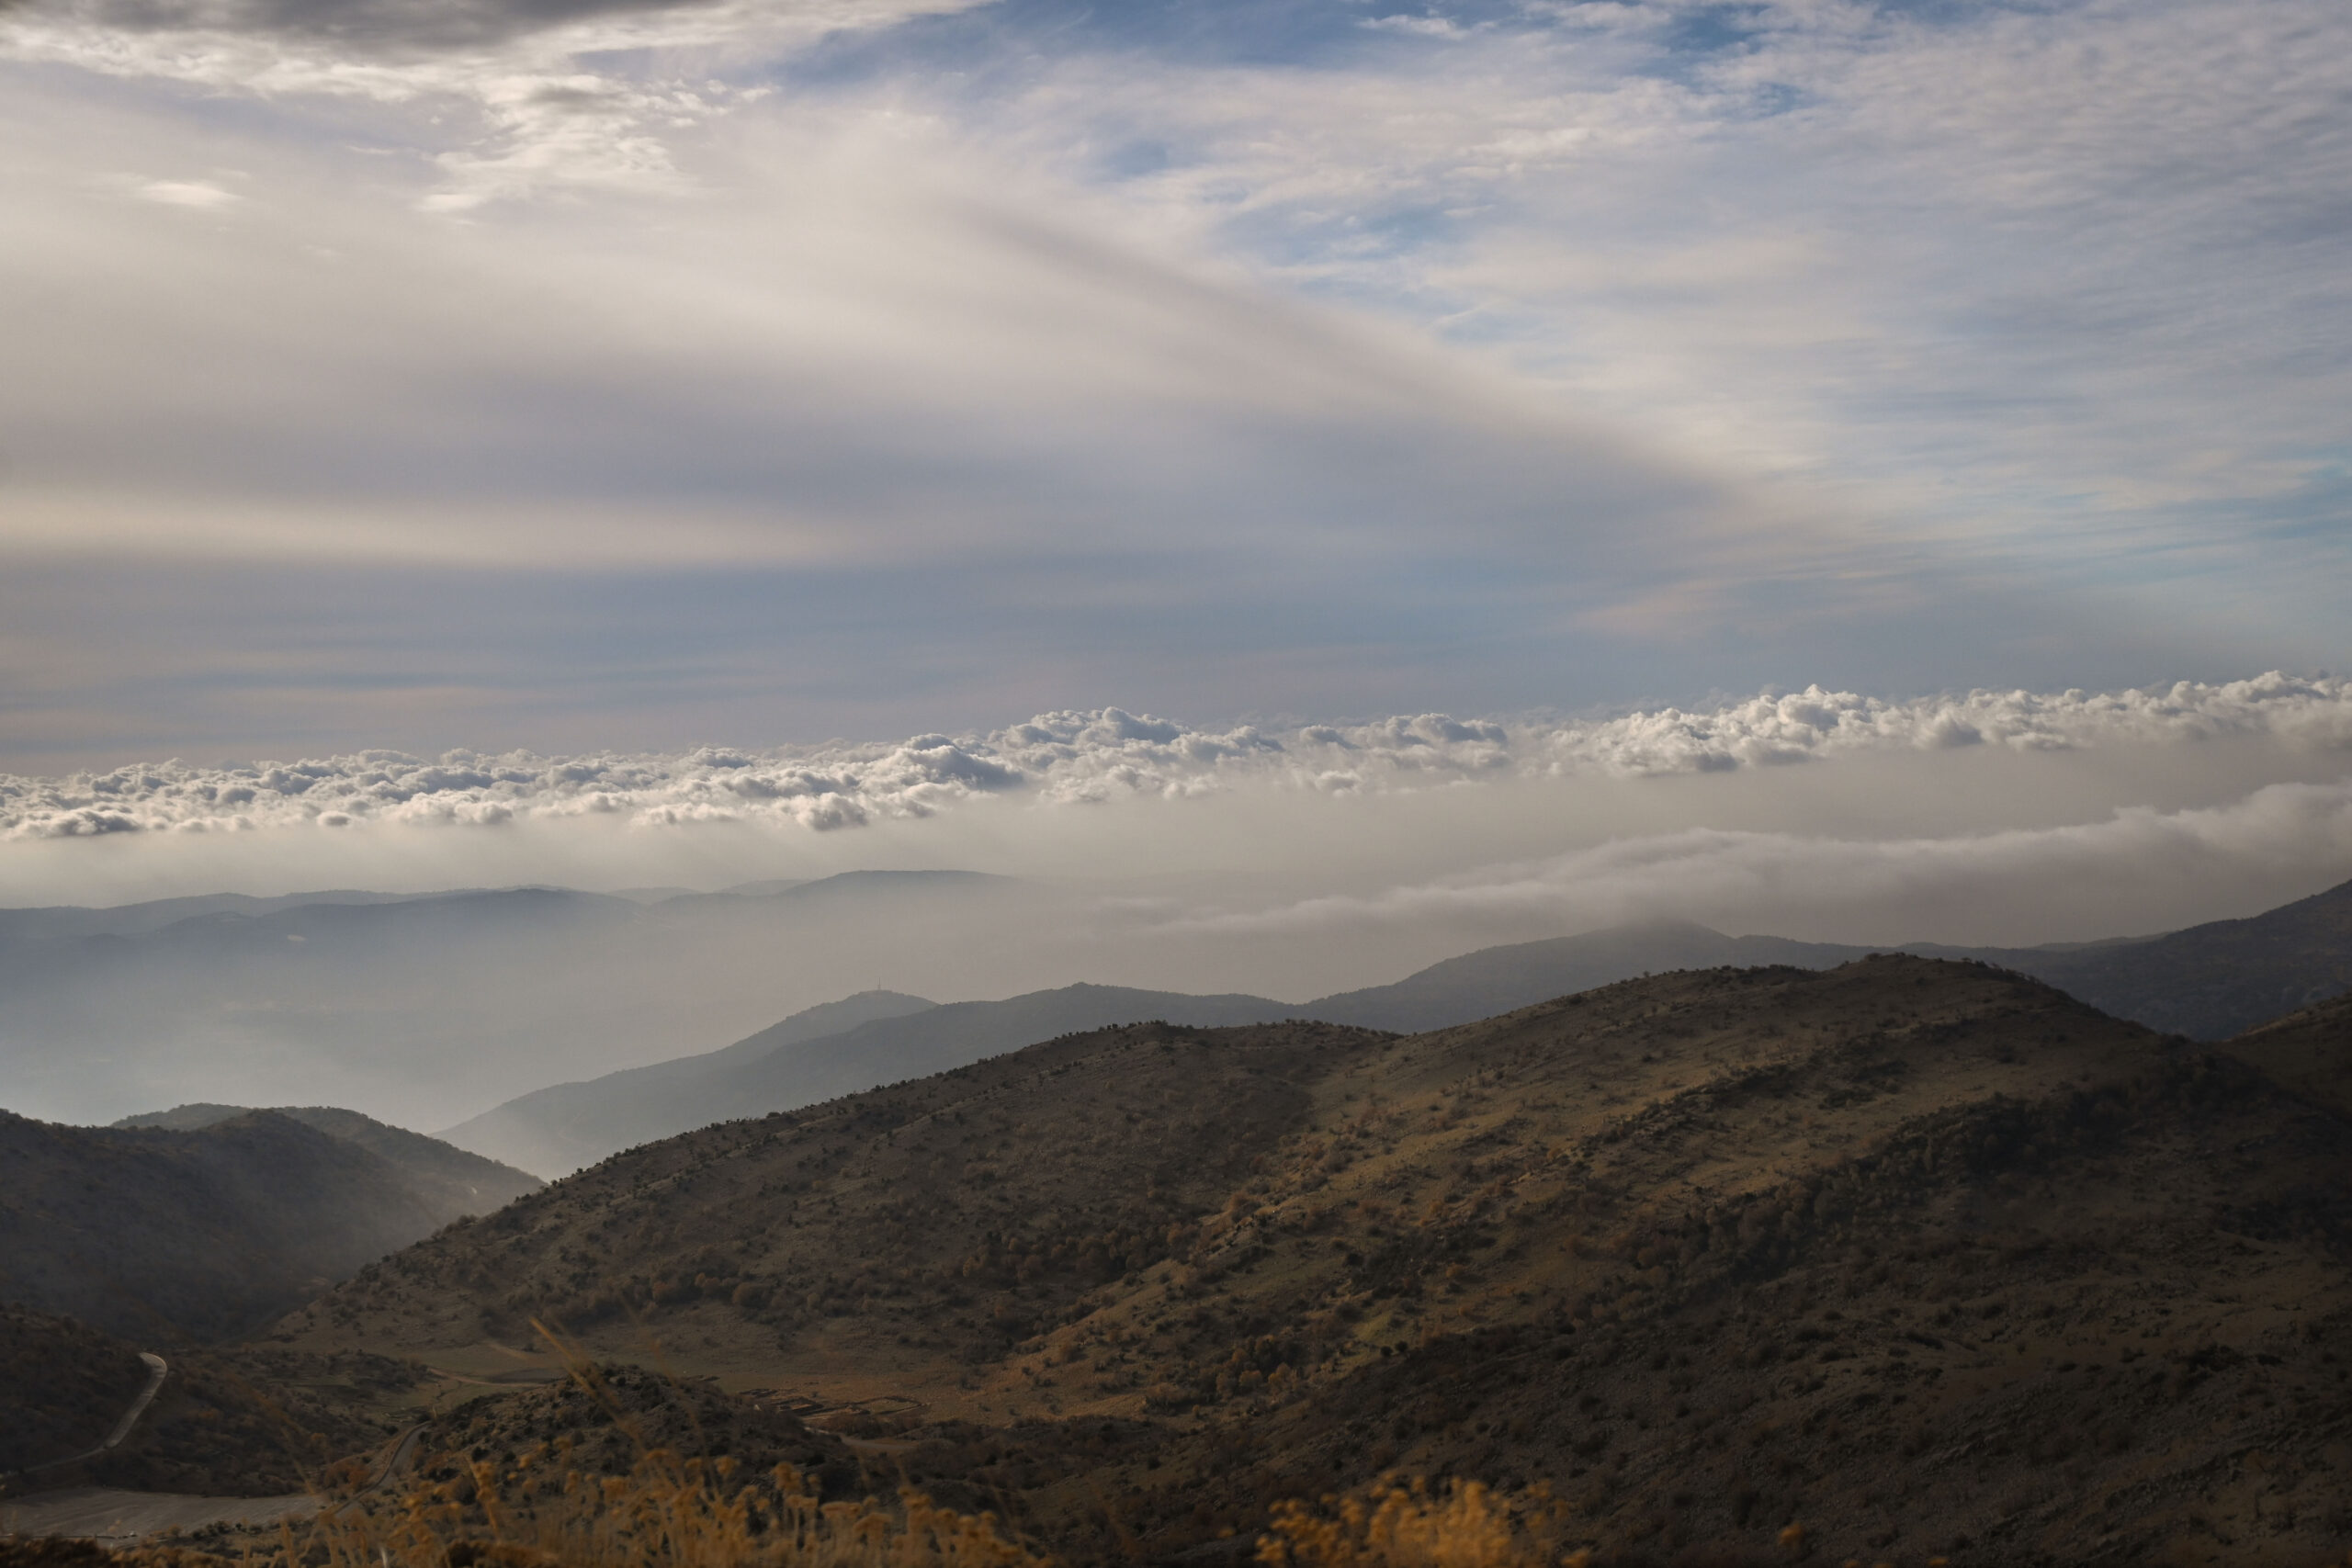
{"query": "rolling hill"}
[(2208, 982), (1906, 1256), (451, 1180), (169, 1236), (1503, 979), (782, 1067)]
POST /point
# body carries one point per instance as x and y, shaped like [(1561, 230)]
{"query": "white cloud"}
[(1066, 759)]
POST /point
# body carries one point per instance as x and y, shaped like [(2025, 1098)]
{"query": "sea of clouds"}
[(1073, 759)]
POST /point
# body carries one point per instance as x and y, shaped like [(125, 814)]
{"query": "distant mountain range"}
[(205, 1229), (1500, 979), (2209, 982), (424, 1007), (801, 1061), (571, 1125)]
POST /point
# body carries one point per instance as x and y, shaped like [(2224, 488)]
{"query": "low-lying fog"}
[(1285, 863)]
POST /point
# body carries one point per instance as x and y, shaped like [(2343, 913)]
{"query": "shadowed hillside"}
[(225, 1422), (1922, 1256), (66, 1386), (452, 1180), (163, 1234), (2211, 981), (2309, 1052)]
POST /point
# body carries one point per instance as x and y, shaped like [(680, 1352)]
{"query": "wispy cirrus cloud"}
[(918, 361)]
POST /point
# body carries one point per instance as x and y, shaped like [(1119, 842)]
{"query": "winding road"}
[(156, 1371), (108, 1514)]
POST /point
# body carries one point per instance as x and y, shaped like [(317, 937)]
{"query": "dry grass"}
[(667, 1512), (1460, 1525)]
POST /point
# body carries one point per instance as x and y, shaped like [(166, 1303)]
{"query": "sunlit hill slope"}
[(1921, 1251)]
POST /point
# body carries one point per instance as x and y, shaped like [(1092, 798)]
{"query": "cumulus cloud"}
[(1074, 758)]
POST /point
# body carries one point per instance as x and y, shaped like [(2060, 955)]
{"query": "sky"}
[(761, 417)]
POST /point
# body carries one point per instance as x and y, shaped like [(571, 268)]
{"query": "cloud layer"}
[(1074, 758), (2133, 866)]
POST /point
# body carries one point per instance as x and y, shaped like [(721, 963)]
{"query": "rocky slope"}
[(1923, 1257)]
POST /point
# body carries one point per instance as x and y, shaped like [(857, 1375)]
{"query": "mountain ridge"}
[(1919, 1254), (2141, 978)]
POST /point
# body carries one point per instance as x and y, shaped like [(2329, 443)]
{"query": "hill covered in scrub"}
[(452, 1180), (2209, 982), (1923, 1255), (167, 1236), (234, 1422)]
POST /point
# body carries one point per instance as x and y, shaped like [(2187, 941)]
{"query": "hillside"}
[(167, 1236), (2309, 1052), (1503, 979), (566, 1126), (2207, 982), (1924, 1256), (2211, 981), (451, 1180), (225, 1422), (784, 1067), (66, 1386)]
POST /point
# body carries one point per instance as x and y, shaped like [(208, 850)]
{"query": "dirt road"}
[(156, 1371), (109, 1514)]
